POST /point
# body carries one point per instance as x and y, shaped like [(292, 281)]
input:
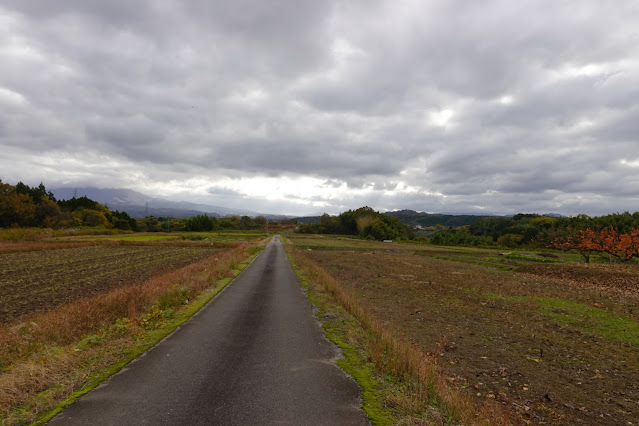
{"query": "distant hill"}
[(139, 205), (411, 217)]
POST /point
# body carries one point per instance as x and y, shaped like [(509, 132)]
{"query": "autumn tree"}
[(16, 209), (622, 246), (585, 242)]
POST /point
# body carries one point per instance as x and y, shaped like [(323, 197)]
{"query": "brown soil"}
[(493, 338), (35, 281)]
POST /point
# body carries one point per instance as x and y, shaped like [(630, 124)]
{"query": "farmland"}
[(74, 309), (32, 281), (54, 270), (551, 340)]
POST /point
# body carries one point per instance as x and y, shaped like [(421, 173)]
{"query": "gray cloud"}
[(436, 106)]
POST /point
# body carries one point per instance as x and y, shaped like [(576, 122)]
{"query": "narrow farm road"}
[(254, 355)]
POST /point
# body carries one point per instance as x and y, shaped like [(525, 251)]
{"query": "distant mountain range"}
[(138, 205)]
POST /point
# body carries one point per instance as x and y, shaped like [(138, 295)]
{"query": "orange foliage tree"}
[(623, 246)]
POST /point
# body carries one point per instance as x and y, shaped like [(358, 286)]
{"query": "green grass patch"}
[(531, 258), (491, 296), (494, 263), (589, 319), (135, 238), (40, 234), (355, 364)]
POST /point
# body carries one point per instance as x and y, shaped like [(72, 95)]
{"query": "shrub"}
[(510, 240)]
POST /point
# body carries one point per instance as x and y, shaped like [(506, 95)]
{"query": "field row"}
[(33, 281)]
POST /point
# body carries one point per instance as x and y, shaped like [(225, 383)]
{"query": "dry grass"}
[(40, 234), (9, 247), (46, 357), (400, 358)]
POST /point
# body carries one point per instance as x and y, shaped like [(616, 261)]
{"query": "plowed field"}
[(42, 280), (555, 343)]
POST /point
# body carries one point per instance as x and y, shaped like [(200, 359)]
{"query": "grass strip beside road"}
[(400, 383), (50, 360)]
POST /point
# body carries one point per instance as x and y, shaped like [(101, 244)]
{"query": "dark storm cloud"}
[(440, 106)]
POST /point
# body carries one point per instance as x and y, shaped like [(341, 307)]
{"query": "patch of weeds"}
[(93, 339), (156, 319), (590, 319), (175, 297), (120, 328), (494, 259), (361, 370), (501, 264), (531, 258), (491, 296), (195, 237), (579, 316), (253, 251)]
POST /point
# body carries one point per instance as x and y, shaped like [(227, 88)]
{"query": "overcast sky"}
[(301, 107)]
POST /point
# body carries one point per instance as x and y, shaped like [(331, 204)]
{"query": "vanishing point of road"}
[(254, 355)]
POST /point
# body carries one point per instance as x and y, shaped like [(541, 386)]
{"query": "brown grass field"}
[(551, 340)]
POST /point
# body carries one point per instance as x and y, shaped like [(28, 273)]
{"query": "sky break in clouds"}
[(304, 107)]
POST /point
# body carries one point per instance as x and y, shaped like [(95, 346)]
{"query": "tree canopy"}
[(365, 222), (22, 206)]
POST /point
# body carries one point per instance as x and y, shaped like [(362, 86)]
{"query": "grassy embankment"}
[(49, 359)]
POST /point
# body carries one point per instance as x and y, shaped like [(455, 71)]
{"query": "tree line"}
[(364, 222), (616, 235), (24, 206), (206, 223)]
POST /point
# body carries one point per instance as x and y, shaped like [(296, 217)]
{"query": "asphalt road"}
[(254, 355)]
